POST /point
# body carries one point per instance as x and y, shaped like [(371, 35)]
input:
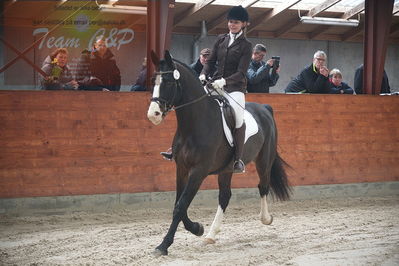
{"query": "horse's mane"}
[(188, 68)]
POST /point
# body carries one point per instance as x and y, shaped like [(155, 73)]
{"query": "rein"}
[(168, 106)]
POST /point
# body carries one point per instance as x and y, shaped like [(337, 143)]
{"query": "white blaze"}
[(154, 113)]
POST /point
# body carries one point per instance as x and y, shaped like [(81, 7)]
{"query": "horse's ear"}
[(154, 58), (168, 58)]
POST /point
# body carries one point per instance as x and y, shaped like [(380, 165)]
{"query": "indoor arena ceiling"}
[(279, 18), (268, 18)]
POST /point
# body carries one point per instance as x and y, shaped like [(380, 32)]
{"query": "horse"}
[(200, 147)]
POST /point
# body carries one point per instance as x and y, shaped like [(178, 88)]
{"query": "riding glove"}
[(219, 84)]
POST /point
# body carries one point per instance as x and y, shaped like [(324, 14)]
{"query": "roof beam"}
[(395, 9), (195, 8), (275, 12), (321, 7), (312, 12), (354, 11), (222, 17), (347, 15)]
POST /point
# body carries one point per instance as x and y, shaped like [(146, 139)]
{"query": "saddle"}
[(228, 120)]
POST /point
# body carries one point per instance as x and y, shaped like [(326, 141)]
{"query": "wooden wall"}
[(74, 143)]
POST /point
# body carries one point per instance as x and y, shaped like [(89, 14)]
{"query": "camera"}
[(276, 63)]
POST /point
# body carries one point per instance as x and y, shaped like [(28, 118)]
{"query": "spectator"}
[(103, 66), (59, 76), (258, 74), (83, 74), (358, 82), (312, 79), (336, 84), (199, 64), (141, 79)]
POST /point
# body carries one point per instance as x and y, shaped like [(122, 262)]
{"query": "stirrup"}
[(239, 166), (167, 155)]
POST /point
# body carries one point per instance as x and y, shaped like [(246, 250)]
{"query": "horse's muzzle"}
[(155, 114)]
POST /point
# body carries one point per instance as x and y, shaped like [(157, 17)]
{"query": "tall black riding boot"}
[(239, 137)]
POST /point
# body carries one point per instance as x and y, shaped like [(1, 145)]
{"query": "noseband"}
[(169, 106)]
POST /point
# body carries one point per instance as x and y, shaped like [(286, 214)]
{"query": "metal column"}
[(159, 30), (378, 16)]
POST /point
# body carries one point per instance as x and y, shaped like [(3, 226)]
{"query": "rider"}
[(231, 54)]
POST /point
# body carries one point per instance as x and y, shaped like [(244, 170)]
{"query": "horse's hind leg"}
[(224, 198), (264, 180)]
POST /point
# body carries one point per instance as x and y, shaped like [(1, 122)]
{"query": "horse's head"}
[(166, 88)]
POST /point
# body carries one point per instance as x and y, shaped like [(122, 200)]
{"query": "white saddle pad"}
[(250, 130)]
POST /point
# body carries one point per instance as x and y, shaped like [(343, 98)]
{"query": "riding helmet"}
[(238, 13)]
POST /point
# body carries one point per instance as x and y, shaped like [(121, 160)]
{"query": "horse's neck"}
[(197, 115)]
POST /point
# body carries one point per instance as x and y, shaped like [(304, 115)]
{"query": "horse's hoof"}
[(200, 230), (208, 241), (157, 252), (267, 221)]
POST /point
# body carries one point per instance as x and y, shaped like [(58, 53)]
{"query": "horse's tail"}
[(279, 179)]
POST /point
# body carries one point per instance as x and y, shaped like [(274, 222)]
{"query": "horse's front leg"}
[(181, 182), (224, 181), (180, 211)]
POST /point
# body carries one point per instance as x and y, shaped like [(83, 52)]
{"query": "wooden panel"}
[(74, 143)]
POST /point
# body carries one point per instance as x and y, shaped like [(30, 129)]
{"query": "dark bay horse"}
[(200, 147)]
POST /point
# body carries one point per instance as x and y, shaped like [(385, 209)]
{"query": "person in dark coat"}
[(259, 77), (313, 79), (358, 81), (198, 65), (141, 79), (83, 74), (103, 66), (336, 84), (59, 77), (231, 55)]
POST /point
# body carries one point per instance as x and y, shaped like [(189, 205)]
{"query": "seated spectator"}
[(258, 74), (83, 74), (141, 79), (336, 84), (103, 66), (199, 64), (358, 81), (313, 79), (59, 76)]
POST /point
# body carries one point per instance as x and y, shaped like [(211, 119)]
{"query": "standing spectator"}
[(59, 77), (358, 81), (141, 79), (258, 74), (201, 61), (103, 66), (312, 79), (336, 84)]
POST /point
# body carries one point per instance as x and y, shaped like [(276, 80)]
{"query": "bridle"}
[(169, 106)]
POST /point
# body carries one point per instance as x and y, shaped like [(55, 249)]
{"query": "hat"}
[(205, 51), (238, 13)]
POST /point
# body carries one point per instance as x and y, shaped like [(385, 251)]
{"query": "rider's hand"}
[(202, 78), (219, 83)]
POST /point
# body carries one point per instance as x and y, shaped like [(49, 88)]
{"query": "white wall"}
[(296, 54)]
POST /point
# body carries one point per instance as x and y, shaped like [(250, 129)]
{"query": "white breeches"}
[(237, 101)]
